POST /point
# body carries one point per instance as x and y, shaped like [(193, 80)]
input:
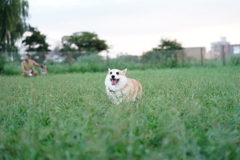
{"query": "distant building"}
[(234, 50), (217, 49)]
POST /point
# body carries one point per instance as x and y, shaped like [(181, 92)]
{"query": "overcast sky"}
[(134, 26)]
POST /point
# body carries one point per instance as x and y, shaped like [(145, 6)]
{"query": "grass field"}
[(188, 113)]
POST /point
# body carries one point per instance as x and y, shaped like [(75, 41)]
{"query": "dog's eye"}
[(117, 73), (110, 72)]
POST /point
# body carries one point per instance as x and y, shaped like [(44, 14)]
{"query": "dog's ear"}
[(124, 71), (109, 69)]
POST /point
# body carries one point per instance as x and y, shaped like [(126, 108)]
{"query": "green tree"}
[(167, 45), (84, 42), (163, 55), (12, 23), (36, 41), (37, 44)]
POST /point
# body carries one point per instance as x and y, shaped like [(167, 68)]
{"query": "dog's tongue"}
[(114, 81)]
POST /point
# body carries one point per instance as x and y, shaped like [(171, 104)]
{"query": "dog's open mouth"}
[(114, 81)]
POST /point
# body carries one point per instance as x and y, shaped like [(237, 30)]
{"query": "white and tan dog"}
[(120, 88), (43, 70)]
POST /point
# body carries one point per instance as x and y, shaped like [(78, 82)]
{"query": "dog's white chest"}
[(115, 96)]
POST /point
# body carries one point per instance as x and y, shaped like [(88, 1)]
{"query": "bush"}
[(235, 61), (12, 68), (160, 59), (130, 62), (90, 63)]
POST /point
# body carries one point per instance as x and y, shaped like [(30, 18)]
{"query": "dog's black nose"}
[(113, 76)]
